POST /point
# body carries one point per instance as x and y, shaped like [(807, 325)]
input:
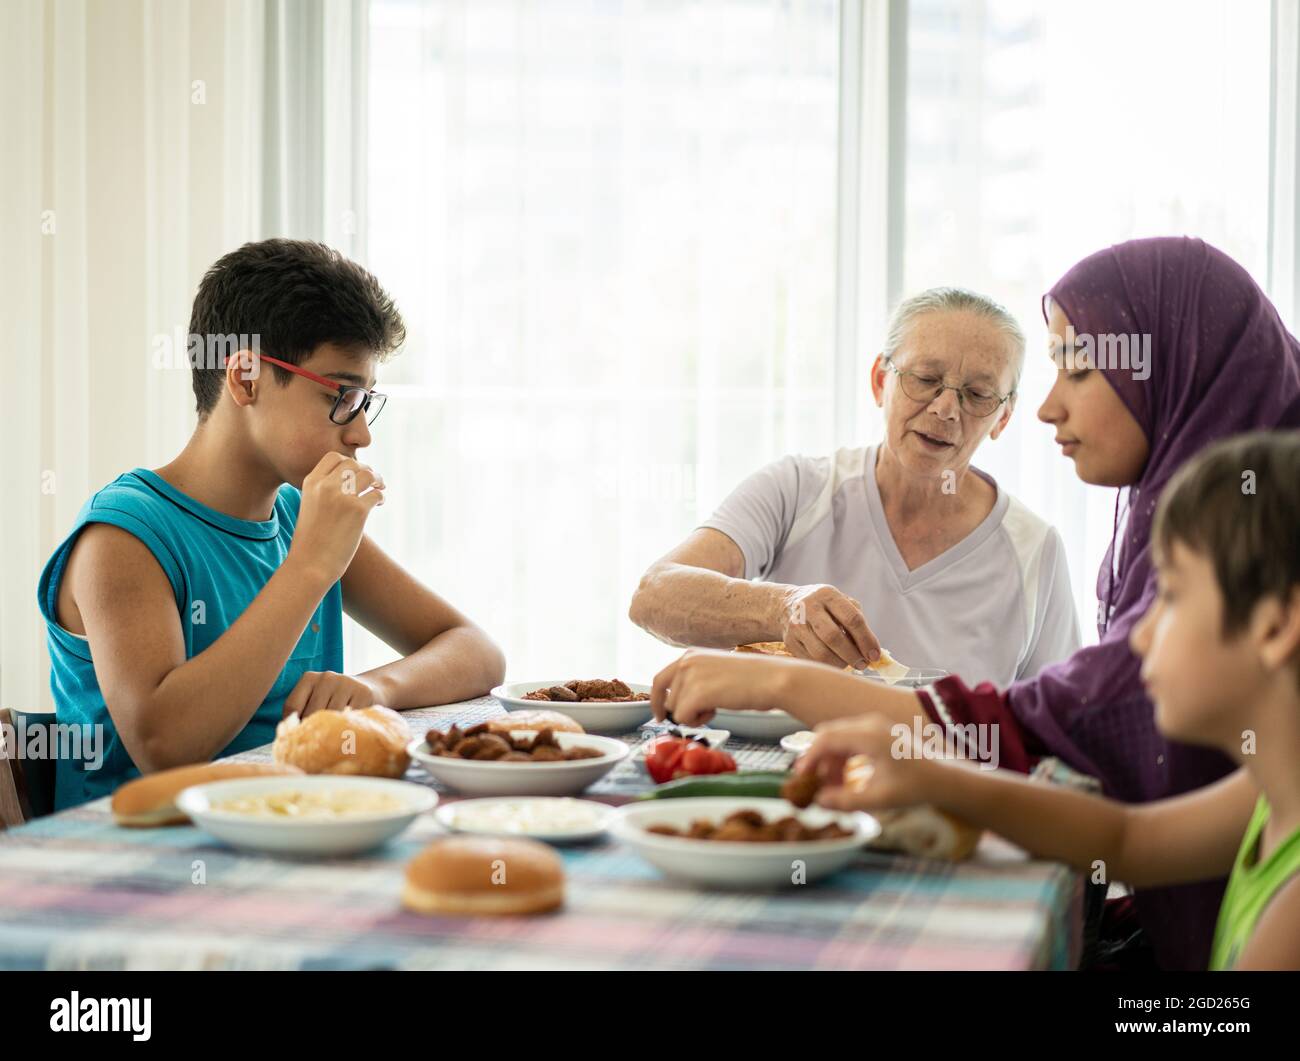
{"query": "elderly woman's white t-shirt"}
[(996, 606)]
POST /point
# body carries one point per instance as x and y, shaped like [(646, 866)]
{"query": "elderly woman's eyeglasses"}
[(350, 400), (923, 387)]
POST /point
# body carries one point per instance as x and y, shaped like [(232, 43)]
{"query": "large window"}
[(613, 232), (1040, 132)]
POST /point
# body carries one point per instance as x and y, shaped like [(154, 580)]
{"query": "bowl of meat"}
[(742, 842), (479, 761), (599, 705)]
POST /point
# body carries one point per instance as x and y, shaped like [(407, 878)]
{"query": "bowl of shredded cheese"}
[(322, 815)]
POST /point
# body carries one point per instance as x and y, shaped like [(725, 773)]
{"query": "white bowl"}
[(798, 742), (757, 725), (307, 836), (594, 718), (476, 777), (736, 864), (556, 819)]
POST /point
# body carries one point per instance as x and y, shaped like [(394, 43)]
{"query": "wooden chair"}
[(26, 785)]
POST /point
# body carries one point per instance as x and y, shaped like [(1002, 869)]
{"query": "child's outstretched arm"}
[(445, 656), (701, 681), (1174, 841)]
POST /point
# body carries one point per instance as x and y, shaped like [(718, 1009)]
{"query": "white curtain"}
[(134, 140), (314, 137)]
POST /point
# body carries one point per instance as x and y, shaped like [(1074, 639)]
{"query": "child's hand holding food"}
[(868, 764)]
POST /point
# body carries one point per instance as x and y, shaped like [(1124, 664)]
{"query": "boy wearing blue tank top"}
[(193, 606)]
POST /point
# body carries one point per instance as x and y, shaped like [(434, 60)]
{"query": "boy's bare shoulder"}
[(107, 565)]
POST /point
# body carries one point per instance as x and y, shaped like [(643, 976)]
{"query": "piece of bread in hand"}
[(536, 721), (771, 648), (368, 742), (887, 666), (923, 831), (766, 648), (150, 800)]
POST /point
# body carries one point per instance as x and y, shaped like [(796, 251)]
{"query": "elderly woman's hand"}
[(825, 625)]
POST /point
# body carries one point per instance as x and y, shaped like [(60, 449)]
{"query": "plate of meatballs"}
[(739, 842), (488, 760), (599, 705)]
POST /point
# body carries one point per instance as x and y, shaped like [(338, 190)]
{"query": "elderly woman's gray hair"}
[(943, 299)]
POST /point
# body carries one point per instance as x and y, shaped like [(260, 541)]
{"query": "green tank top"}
[(1251, 886)]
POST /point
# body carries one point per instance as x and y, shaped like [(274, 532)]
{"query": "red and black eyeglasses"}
[(350, 400)]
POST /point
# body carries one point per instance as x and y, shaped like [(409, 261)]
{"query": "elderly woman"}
[(902, 543)]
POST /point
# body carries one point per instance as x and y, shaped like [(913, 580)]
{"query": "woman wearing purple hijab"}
[(1220, 363)]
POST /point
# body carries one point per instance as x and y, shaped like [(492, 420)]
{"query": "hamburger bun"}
[(150, 801), (535, 721), (369, 742), (484, 875)]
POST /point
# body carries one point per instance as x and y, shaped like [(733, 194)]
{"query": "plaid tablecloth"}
[(77, 892)]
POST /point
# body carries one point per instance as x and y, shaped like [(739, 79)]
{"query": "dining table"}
[(78, 892)]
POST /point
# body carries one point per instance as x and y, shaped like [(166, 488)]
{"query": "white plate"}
[(278, 836), (758, 725), (798, 742), (475, 777), (737, 864), (594, 718), (715, 738), (557, 819), (914, 678)]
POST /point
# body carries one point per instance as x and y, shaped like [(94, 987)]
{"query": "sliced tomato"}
[(700, 759), (663, 757)]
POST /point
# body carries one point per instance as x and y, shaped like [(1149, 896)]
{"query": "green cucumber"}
[(758, 784)]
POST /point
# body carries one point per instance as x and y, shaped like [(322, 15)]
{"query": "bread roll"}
[(370, 742), (151, 800), (535, 721), (484, 875), (924, 831)]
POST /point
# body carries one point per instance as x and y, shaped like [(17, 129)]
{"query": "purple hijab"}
[(1220, 363)]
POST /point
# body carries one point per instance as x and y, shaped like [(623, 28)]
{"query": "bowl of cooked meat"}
[(487, 761), (740, 842), (599, 705)]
